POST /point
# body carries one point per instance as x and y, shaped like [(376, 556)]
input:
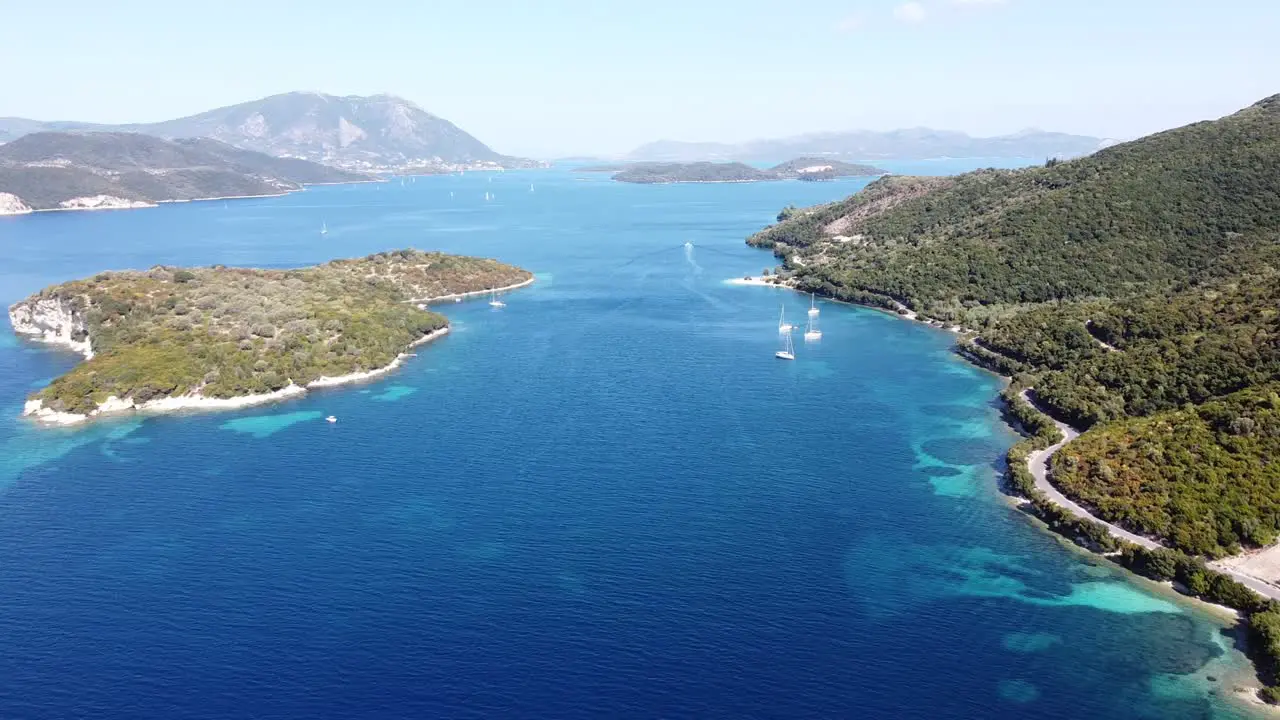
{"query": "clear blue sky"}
[(548, 77)]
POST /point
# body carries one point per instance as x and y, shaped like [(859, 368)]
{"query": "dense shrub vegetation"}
[(224, 331), (1205, 478)]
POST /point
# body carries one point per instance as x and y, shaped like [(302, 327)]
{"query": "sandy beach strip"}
[(115, 406), (758, 282), (227, 197), (473, 293), (323, 382)]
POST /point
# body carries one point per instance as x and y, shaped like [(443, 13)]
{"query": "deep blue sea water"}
[(607, 500)]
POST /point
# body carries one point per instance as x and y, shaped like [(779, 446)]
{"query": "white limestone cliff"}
[(53, 320), (102, 202), (11, 204)]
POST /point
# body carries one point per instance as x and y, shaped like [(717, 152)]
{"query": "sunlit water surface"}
[(608, 499)]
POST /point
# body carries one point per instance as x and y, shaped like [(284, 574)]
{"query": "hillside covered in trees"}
[(52, 170), (1136, 289), (1190, 204)]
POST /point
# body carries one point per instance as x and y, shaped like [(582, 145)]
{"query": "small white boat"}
[(494, 301), (324, 229), (331, 419), (530, 188), (788, 351), (813, 308), (811, 331), (783, 325)]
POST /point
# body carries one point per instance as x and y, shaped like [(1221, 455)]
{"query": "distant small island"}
[(807, 168), (199, 338), (816, 168), (604, 167)]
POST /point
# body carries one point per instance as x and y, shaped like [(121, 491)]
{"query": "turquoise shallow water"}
[(606, 500)]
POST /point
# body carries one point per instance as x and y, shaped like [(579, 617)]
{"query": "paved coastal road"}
[(1038, 464)]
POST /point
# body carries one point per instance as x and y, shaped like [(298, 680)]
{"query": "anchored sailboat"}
[(494, 301), (783, 325), (811, 331), (813, 308), (324, 229), (788, 351)]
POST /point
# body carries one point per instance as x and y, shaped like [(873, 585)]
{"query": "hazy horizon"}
[(571, 78)]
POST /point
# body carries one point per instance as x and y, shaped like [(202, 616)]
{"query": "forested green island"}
[(1136, 290), (194, 335), (808, 168)]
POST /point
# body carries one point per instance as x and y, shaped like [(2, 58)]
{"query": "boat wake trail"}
[(688, 256)]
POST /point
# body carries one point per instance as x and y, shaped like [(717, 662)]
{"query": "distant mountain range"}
[(911, 144), (379, 133), (67, 170)]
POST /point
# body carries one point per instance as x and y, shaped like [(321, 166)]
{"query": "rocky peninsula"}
[(170, 339), (50, 171)]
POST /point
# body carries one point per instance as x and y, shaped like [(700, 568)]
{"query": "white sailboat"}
[(494, 301), (531, 188), (783, 325), (788, 351), (811, 331), (324, 229), (813, 308)]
